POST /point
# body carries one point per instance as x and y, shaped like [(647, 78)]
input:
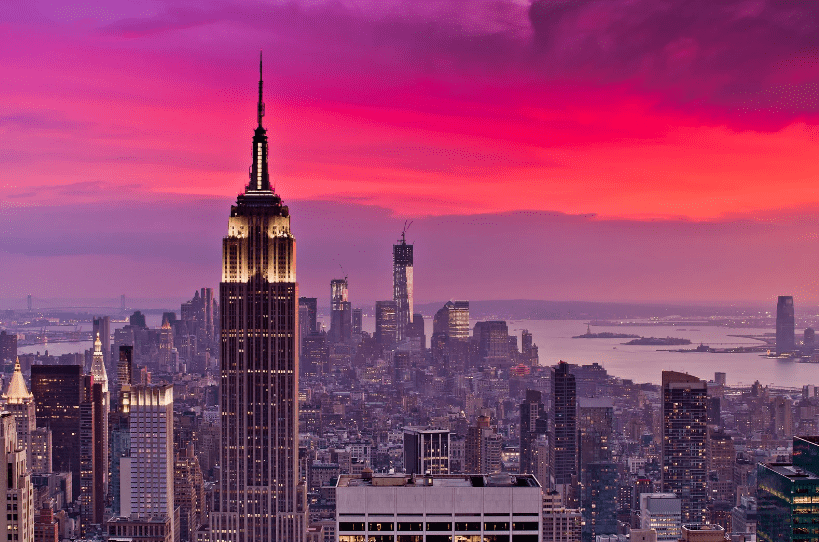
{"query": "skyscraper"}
[(257, 498), (15, 485), (58, 392), (785, 325), (563, 439), (8, 346), (533, 422), (452, 320), (402, 285), (311, 303), (101, 377), (340, 312), (684, 443), (386, 325), (20, 402), (101, 327), (147, 474)]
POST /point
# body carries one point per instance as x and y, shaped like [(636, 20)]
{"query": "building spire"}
[(260, 106), (259, 178)]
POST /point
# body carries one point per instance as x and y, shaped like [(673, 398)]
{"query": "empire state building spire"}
[(259, 177)]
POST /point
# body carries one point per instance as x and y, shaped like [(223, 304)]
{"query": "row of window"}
[(439, 538), (437, 526)]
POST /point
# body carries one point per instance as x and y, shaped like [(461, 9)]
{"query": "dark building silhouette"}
[(809, 341), (416, 329), (684, 453), (137, 320), (563, 438), (257, 497), (58, 392), (386, 323), (402, 281), (357, 321), (598, 474), (8, 346), (341, 314), (315, 354), (785, 325), (533, 422), (493, 343), (312, 308)]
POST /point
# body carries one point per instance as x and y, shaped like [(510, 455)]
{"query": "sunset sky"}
[(563, 149)]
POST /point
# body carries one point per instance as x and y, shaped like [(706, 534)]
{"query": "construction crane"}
[(407, 225)]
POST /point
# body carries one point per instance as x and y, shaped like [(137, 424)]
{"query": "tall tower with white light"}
[(258, 498)]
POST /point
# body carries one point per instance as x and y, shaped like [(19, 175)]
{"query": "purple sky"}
[(561, 149)]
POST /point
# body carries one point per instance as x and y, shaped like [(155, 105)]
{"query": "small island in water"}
[(659, 341), (604, 335)]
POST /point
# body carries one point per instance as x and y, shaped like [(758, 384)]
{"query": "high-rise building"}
[(663, 513), (258, 498), (311, 304), (386, 324), (598, 474), (402, 268), (721, 461), (528, 349), (92, 500), (357, 321), (18, 401), (482, 448), (493, 342), (452, 320), (426, 451), (599, 500), (189, 494), (8, 346), (58, 392), (146, 483), (784, 494), (533, 423), (560, 524), (416, 329), (563, 425), (684, 451), (785, 325), (102, 328), (341, 315), (15, 485), (100, 375), (124, 378)]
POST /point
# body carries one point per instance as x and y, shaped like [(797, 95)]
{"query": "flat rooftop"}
[(451, 480), (789, 471)]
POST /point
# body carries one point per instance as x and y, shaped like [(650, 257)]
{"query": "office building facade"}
[(684, 453), (426, 451)]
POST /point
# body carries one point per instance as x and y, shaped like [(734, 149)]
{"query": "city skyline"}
[(511, 122)]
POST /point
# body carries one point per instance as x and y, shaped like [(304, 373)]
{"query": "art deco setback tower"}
[(402, 285), (257, 498)]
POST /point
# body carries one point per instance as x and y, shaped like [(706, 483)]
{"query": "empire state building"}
[(258, 499)]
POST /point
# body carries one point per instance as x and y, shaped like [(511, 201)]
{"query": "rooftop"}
[(452, 480), (789, 471)]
